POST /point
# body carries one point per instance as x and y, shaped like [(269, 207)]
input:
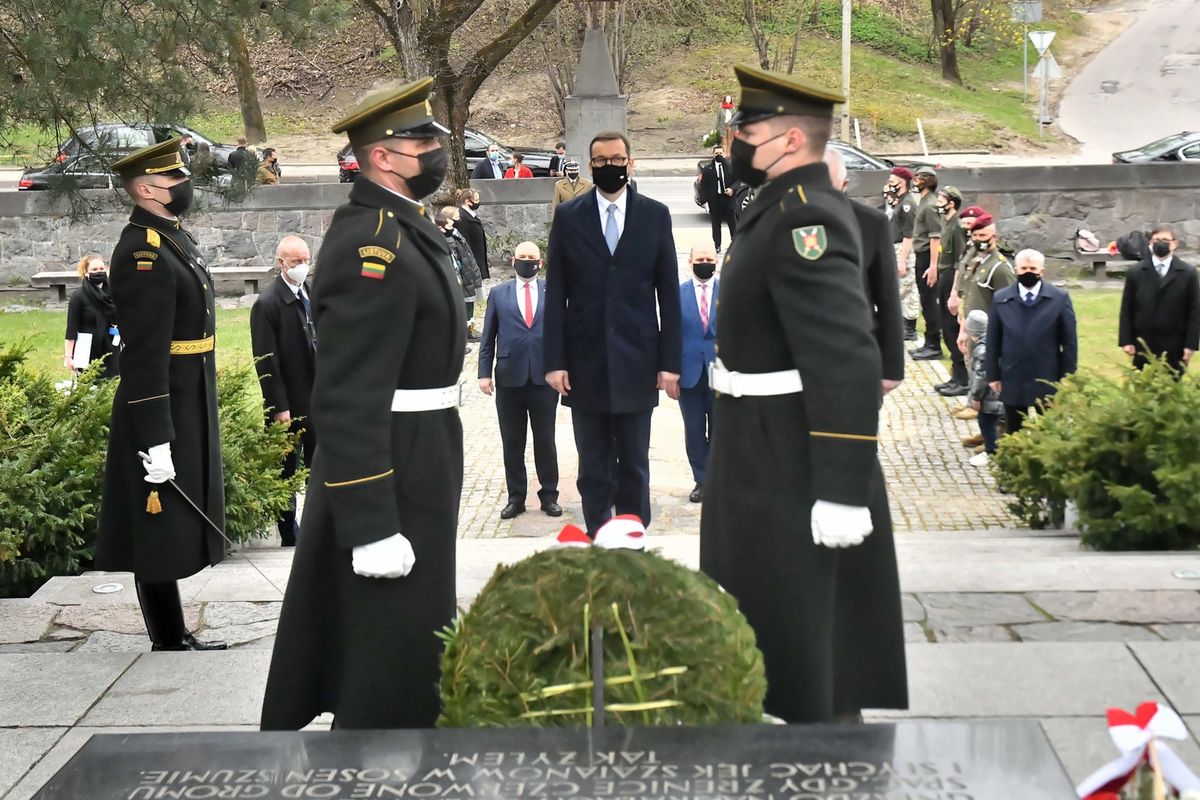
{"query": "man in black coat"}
[(880, 278), (166, 402), (1031, 339), (1161, 305), (281, 335), (716, 185), (512, 344), (372, 581), (612, 323), (471, 227), (793, 477)]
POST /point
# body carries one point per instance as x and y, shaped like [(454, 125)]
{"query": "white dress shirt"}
[(1161, 266), (603, 203), (1034, 290), (533, 295)]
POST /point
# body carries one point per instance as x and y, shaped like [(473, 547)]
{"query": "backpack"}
[(1134, 245)]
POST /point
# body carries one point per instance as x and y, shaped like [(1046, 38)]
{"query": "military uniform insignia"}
[(373, 270), (152, 238), (907, 207), (810, 242), (145, 255), (145, 266), (371, 251)]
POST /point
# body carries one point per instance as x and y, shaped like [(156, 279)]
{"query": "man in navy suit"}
[(698, 302), (1031, 339), (512, 331), (612, 329)]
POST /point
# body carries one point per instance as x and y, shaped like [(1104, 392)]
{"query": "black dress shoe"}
[(189, 642), (511, 510), (697, 494), (918, 351), (953, 390), (928, 355), (552, 509)]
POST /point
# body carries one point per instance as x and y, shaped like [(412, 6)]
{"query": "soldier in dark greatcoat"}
[(793, 476), (373, 577), (166, 403)]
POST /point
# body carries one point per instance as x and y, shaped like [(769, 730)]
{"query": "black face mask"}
[(433, 172), (1160, 249), (704, 269), (181, 199), (526, 267), (474, 204), (447, 232), (610, 178), (1028, 279), (98, 278), (573, 175), (743, 157)]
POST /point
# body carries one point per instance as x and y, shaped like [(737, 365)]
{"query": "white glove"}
[(837, 525), (392, 557), (160, 468)]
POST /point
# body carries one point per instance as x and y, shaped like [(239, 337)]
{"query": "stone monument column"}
[(596, 103)]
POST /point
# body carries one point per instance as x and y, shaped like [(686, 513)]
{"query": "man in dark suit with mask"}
[(512, 338), (612, 329), (1161, 305), (281, 336), (718, 191)]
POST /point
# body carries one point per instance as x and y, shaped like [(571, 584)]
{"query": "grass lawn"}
[(1096, 311), (44, 330)]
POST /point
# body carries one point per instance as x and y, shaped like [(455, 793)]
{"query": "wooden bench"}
[(1103, 262), (59, 281)]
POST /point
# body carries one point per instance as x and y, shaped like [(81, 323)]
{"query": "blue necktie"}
[(611, 234), (1029, 298)]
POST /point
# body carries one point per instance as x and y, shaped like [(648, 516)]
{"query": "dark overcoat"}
[(471, 227), (1030, 346), (828, 621), (612, 319), (164, 302), (282, 341), (389, 315), (882, 286), (1165, 312)]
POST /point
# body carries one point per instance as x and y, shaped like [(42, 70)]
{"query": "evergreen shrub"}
[(1125, 449)]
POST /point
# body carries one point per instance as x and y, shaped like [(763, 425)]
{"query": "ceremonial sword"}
[(146, 458)]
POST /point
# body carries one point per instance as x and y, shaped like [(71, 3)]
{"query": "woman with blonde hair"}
[(91, 320)]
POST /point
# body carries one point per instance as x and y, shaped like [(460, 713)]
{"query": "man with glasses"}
[(281, 336), (612, 337), (1161, 305), (491, 167)]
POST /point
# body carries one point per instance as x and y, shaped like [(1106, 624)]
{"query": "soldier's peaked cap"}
[(162, 158), (770, 94), (403, 113)]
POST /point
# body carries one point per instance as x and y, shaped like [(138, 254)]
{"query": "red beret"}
[(982, 223), (904, 173), (972, 211)]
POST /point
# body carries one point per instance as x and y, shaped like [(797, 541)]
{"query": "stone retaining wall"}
[(1038, 207)]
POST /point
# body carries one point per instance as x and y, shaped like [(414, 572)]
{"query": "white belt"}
[(407, 400), (753, 384)]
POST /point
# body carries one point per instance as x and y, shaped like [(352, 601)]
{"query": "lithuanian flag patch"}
[(372, 270)]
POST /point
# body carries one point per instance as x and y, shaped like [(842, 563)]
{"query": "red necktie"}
[(528, 307), (704, 306)]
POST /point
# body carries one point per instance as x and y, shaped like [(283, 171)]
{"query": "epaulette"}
[(384, 214), (794, 196)]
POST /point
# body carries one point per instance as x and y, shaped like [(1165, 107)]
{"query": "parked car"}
[(475, 145), (861, 159), (79, 172), (117, 137), (1184, 146)]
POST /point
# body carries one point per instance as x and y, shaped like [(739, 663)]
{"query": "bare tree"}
[(422, 33), (750, 9), (945, 34)]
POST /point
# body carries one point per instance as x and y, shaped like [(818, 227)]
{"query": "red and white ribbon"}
[(622, 532), (1133, 734)]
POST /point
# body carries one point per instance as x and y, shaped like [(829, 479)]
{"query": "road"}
[(1156, 63)]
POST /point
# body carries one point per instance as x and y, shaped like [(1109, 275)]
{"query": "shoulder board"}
[(794, 196), (152, 238), (391, 216)]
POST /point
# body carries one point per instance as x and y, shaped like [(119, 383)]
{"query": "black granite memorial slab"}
[(904, 761)]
